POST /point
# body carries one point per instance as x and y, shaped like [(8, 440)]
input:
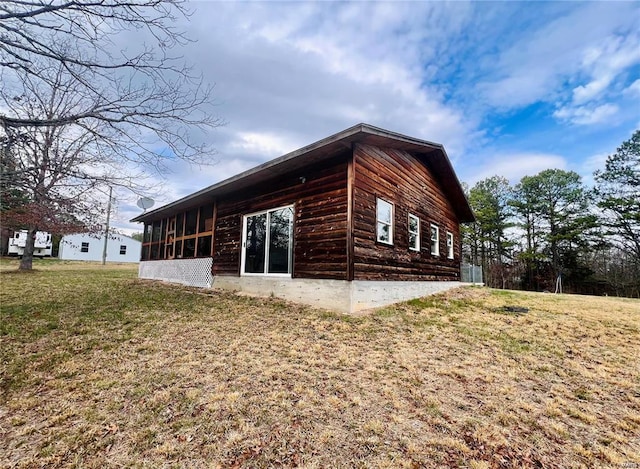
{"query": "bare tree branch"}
[(135, 88), (78, 111)]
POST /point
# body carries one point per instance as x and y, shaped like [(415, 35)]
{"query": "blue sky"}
[(509, 88)]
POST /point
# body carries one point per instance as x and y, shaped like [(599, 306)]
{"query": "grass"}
[(100, 369)]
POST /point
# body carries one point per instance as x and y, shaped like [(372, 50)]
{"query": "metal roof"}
[(433, 154)]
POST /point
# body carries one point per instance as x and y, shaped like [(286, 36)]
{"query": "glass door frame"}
[(243, 243)]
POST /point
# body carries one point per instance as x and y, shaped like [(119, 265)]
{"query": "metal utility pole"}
[(106, 229)]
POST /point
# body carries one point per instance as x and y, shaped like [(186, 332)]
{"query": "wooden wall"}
[(320, 220), (399, 178), (336, 194)]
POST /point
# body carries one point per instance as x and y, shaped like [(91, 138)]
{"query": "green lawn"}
[(98, 369)]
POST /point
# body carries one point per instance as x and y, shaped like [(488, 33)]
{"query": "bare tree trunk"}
[(26, 263)]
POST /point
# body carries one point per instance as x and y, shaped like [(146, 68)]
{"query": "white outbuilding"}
[(89, 247)]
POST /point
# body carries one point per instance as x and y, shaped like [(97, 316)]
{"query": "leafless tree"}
[(55, 170), (77, 110)]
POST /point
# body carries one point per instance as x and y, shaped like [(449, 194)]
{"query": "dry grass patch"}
[(105, 370)]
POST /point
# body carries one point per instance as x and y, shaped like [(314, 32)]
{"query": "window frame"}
[(416, 233), (123, 249), (84, 247), (436, 251), (389, 224), (450, 252), (243, 243)]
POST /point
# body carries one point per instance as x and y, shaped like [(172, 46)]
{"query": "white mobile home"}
[(18, 241), (89, 247)]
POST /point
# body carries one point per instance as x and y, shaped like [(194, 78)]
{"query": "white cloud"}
[(263, 143), (580, 42), (514, 166), (586, 115), (590, 165), (633, 88), (594, 162), (591, 103), (603, 63), (303, 71), (584, 93)]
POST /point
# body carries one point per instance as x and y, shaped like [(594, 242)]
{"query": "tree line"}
[(551, 231)]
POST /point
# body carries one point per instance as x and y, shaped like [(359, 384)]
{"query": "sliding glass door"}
[(268, 242), (255, 242)]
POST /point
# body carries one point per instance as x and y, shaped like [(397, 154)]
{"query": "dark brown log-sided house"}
[(362, 218)]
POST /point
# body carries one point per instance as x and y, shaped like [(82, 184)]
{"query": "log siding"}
[(319, 197), (406, 181)]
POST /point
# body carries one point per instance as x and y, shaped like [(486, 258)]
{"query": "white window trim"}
[(417, 233), (243, 242), (450, 245), (437, 245), (393, 215)]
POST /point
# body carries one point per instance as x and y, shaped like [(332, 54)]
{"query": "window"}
[(414, 233), (449, 245), (189, 248), (384, 217), (155, 234), (204, 246), (84, 247), (435, 240), (163, 230), (123, 250), (268, 242), (191, 222), (179, 224), (206, 219), (147, 233)]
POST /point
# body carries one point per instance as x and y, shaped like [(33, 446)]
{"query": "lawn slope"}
[(98, 369)]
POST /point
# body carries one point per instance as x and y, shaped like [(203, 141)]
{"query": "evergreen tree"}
[(489, 199), (527, 205), (618, 197), (618, 192), (553, 207)]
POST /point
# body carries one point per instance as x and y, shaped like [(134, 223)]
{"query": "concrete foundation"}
[(367, 294), (337, 295)]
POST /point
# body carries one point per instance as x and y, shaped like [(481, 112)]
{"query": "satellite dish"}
[(145, 202)]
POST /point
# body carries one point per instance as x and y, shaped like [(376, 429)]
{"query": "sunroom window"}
[(268, 242)]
